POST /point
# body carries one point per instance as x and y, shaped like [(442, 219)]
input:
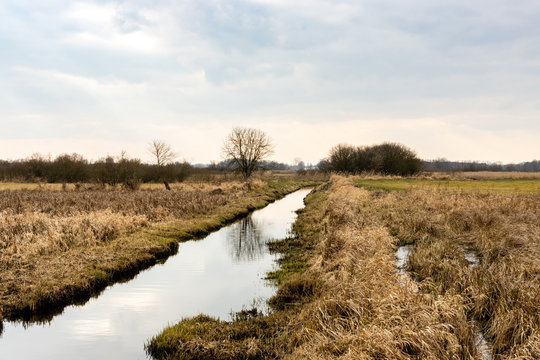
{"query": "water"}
[(469, 255), (221, 273), (402, 254), (482, 345)]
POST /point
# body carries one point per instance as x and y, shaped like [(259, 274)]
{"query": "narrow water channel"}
[(221, 273), (402, 259)]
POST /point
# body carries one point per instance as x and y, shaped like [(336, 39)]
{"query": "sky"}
[(455, 79)]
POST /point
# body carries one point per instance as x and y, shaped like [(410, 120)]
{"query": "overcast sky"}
[(458, 79)]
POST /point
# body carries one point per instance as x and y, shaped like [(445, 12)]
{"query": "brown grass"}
[(502, 292), (340, 296), (367, 310), (57, 247)]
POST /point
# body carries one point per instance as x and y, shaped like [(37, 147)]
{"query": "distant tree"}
[(324, 165), (69, 168), (387, 158), (37, 167), (163, 155), (342, 158), (247, 148), (161, 152)]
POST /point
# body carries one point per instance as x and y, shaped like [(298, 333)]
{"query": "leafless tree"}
[(162, 152), (246, 148)]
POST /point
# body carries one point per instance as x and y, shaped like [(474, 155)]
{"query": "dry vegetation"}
[(57, 247), (340, 295)]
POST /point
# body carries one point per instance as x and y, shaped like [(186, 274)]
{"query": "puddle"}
[(402, 255), (470, 255), (482, 345)]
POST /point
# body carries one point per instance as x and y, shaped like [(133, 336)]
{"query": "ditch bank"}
[(217, 274), (84, 273)]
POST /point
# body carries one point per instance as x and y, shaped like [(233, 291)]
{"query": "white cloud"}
[(106, 87), (326, 11), (113, 27)]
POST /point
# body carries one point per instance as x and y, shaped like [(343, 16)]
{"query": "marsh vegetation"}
[(61, 246), (340, 294)]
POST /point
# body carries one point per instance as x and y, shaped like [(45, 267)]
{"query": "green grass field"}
[(520, 186)]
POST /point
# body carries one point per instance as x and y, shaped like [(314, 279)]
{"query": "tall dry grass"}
[(42, 222), (341, 297), (458, 175), (57, 246), (366, 310), (502, 293)]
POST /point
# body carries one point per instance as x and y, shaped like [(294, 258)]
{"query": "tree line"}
[(446, 165), (73, 168), (244, 150)]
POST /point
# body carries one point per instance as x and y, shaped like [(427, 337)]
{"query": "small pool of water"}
[(221, 273)]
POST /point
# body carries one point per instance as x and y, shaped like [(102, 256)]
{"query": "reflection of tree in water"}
[(245, 241)]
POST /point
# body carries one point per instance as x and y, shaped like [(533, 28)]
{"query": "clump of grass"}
[(203, 337)]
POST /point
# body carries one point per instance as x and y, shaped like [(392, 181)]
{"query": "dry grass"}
[(484, 186), (60, 246), (347, 302), (340, 295), (43, 222), (502, 292), (458, 175), (367, 310)]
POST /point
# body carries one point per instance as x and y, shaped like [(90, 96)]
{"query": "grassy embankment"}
[(60, 247), (341, 297)]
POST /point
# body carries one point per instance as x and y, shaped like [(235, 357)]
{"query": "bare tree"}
[(163, 154), (246, 148)]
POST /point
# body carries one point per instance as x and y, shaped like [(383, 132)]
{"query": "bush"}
[(387, 158)]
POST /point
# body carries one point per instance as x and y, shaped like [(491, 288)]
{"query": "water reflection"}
[(245, 242), (221, 273)]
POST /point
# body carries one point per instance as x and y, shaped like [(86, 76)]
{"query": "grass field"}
[(506, 186), (61, 246), (341, 297)]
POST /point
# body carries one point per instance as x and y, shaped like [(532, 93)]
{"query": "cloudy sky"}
[(458, 79)]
